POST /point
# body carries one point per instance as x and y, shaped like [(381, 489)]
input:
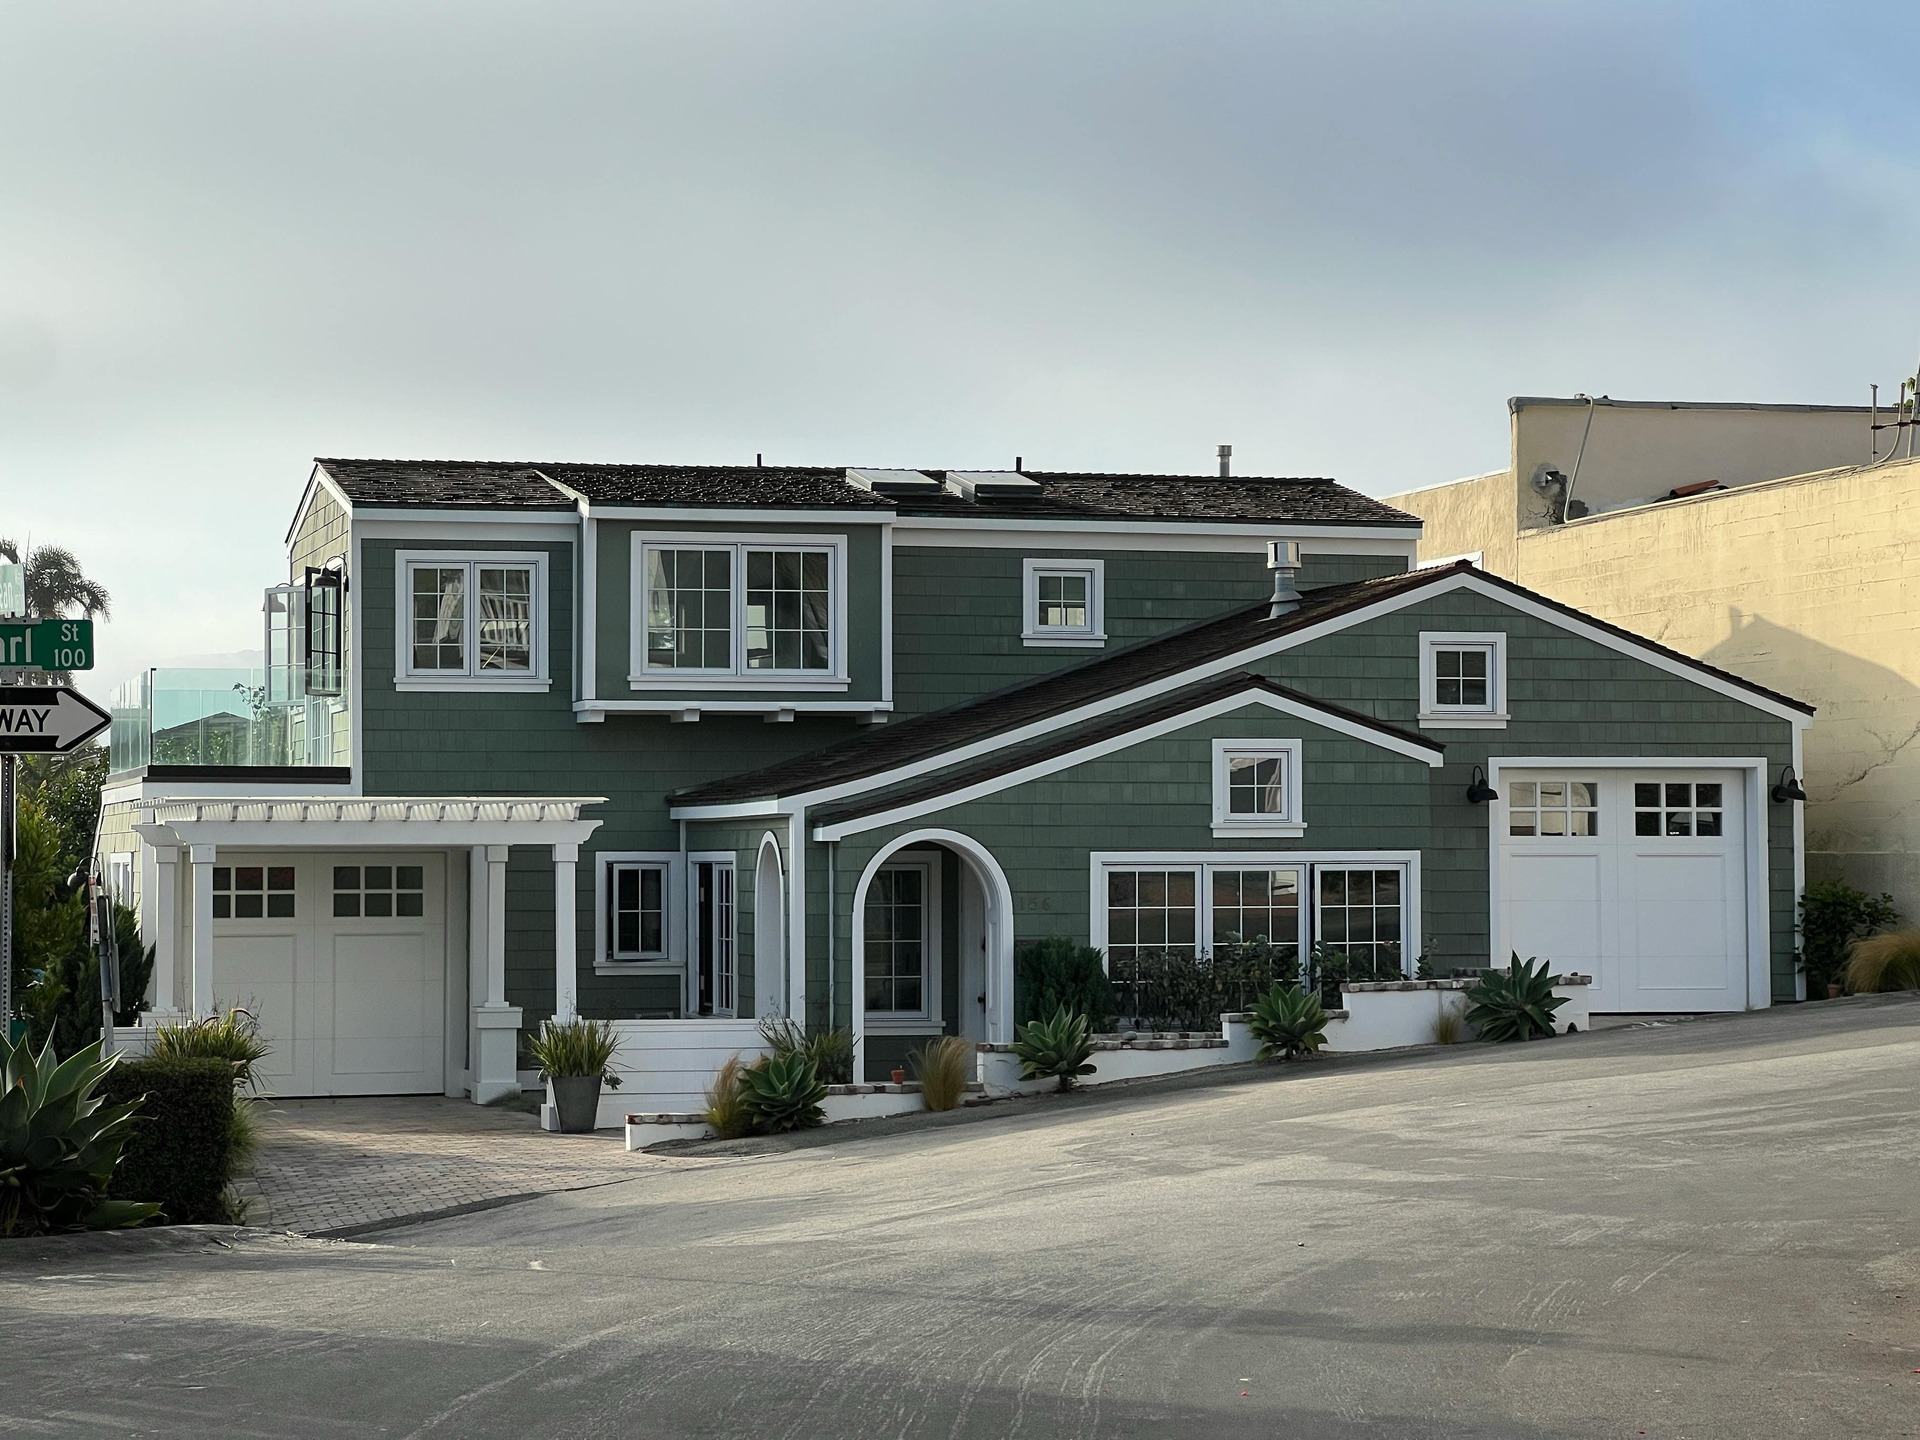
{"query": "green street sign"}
[(46, 644)]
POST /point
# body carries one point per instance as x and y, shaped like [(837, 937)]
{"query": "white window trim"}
[(1435, 716), (1101, 861), (405, 677), (929, 1020), (672, 893), (1290, 824), (1093, 634), (641, 676)]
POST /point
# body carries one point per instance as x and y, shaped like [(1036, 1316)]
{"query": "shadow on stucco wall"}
[(1862, 754)]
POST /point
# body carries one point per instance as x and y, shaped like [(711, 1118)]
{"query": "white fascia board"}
[(317, 480), (1040, 769), (441, 525), (598, 709), (160, 792), (379, 834), (1633, 649), (738, 810), (1628, 762), (743, 515), (979, 532)]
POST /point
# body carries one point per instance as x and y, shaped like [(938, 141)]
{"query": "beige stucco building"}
[(1799, 574)]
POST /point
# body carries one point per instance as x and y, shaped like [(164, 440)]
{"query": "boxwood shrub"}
[(179, 1154)]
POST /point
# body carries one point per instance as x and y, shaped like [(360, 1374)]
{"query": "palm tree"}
[(56, 586)]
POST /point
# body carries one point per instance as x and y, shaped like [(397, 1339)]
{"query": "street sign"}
[(47, 644), (38, 719)]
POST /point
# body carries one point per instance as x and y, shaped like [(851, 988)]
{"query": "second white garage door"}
[(1636, 877), (343, 958)]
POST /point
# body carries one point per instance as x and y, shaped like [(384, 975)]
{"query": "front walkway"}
[(337, 1166)]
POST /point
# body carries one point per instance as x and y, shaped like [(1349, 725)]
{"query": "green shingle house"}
[(691, 746)]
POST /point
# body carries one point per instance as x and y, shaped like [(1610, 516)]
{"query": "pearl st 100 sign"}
[(46, 644)]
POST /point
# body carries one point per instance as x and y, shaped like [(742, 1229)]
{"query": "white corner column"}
[(201, 858), (165, 916), (566, 975), (495, 1059)]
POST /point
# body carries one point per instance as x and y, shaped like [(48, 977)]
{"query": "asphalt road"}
[(1704, 1229)]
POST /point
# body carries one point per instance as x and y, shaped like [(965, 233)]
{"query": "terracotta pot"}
[(1834, 992), (899, 1076), (577, 1098)]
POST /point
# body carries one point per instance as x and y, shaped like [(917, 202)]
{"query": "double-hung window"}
[(1463, 680), (1063, 602), (1256, 788), (472, 621), (765, 611)]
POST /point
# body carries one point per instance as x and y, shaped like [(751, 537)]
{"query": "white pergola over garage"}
[(203, 833)]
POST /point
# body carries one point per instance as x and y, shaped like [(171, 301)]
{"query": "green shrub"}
[(1884, 962), (180, 1155), (232, 1037), (1516, 1003), (1288, 1021), (726, 1106), (1061, 973), (782, 1092), (61, 1134), (1832, 916), (1056, 1047), (943, 1067), (831, 1051), (567, 1049)]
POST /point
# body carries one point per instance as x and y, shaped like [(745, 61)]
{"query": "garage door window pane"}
[(346, 890), (1679, 808), (280, 892), (1553, 807)]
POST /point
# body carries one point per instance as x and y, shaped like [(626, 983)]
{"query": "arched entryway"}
[(769, 931), (932, 947)]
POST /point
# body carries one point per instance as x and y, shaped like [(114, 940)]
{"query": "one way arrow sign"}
[(42, 718)]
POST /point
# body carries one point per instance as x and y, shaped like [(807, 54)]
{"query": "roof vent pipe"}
[(1283, 558), (1226, 461)]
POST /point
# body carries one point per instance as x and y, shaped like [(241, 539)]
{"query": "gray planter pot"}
[(577, 1098)]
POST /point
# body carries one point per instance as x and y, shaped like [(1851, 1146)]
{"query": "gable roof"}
[(457, 484), (1012, 713)]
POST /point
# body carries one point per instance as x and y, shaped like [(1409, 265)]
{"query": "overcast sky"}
[(1098, 235)]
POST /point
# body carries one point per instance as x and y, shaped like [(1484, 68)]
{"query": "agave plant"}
[(1516, 1003), (782, 1092), (1057, 1046), (1288, 1021), (59, 1143)]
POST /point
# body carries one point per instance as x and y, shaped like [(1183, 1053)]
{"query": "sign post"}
[(34, 720)]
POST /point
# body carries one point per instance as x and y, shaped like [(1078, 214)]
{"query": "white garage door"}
[(343, 958), (1638, 878)]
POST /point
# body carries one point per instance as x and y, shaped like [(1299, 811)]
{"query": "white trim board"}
[(1040, 769)]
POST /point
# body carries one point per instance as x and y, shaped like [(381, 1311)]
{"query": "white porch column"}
[(496, 1023), (566, 975), (165, 914), (201, 858)]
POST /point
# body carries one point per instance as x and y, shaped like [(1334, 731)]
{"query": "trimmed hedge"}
[(1060, 973), (179, 1153)]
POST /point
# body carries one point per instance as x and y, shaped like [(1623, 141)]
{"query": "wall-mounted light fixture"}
[(1479, 792), (1788, 788)]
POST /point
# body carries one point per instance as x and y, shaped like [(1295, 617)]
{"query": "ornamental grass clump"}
[(59, 1143), (1883, 962), (782, 1093), (1055, 1048), (1288, 1021), (1516, 1003), (567, 1049), (943, 1067), (233, 1037), (726, 1107), (831, 1051)]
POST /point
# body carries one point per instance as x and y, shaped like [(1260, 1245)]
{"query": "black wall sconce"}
[(1788, 788), (1479, 792)]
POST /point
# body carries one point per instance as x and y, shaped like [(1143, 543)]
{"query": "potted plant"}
[(573, 1056)]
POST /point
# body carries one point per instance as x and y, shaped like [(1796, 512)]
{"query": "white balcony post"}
[(201, 858), (495, 1057), (165, 915), (565, 931)]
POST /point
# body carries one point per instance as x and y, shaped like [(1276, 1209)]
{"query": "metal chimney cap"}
[(1283, 554)]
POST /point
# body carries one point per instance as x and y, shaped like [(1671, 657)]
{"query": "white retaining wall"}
[(665, 1066)]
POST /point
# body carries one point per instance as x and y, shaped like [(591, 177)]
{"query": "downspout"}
[(833, 927), (691, 893)]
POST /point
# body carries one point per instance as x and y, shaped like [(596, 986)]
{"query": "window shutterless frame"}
[(322, 607), (1463, 680), (1063, 602), (623, 893), (756, 627), (471, 620), (884, 904), (1256, 788)]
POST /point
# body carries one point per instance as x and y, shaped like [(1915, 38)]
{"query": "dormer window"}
[(1463, 680), (769, 610), (1064, 603)]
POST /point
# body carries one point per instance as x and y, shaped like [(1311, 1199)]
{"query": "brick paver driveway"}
[(341, 1166)]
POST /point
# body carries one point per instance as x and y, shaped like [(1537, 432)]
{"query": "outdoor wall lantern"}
[(1479, 792), (1788, 788)]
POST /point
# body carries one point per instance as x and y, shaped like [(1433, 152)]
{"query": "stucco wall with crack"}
[(1811, 586)]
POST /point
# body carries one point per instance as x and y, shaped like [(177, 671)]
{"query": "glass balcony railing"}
[(224, 717)]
